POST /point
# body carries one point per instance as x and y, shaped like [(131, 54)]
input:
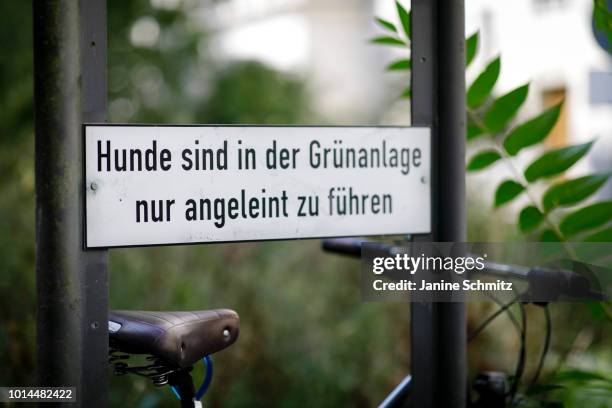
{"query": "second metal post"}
[(438, 349)]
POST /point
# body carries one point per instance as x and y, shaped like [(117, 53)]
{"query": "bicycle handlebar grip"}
[(352, 246), (547, 283), (343, 246)]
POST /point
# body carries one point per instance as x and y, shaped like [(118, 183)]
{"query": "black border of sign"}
[(84, 183)]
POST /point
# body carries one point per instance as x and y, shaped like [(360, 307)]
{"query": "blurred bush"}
[(17, 281), (306, 338)]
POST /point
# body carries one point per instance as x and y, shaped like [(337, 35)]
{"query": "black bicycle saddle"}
[(180, 338)]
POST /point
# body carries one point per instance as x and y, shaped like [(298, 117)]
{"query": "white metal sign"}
[(157, 185)]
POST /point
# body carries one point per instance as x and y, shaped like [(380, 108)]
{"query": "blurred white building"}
[(324, 41), (548, 43)]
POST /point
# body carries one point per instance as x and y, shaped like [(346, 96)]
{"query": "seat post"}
[(183, 384)]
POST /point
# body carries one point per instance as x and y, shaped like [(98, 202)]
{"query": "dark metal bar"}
[(450, 204), (58, 239), (423, 334), (71, 283), (94, 289), (438, 339)]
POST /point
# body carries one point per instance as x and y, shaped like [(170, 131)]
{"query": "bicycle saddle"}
[(180, 338)]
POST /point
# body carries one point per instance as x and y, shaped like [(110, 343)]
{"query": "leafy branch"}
[(395, 37), (555, 215)]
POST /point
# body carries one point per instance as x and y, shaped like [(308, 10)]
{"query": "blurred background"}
[(307, 339)]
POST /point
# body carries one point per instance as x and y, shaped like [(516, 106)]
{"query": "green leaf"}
[(507, 191), (504, 108), (529, 218), (404, 18), (386, 24), (386, 40), (556, 161), (482, 160), (605, 235), (589, 217), (481, 88), (549, 236), (399, 65), (600, 310), (473, 130), (543, 389), (580, 376), (471, 46), (406, 93), (573, 191), (532, 131), (603, 20)]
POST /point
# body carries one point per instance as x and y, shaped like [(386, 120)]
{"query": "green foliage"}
[(529, 218), (504, 108), (573, 191), (396, 38), (543, 389), (582, 376), (483, 159), (386, 24), (231, 97), (549, 236), (404, 18), (603, 19), (480, 90), (387, 40), (403, 64), (507, 191), (532, 132), (556, 161), (580, 388), (577, 387), (407, 93), (586, 218), (471, 46), (605, 235), (17, 227), (489, 117), (474, 130)]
